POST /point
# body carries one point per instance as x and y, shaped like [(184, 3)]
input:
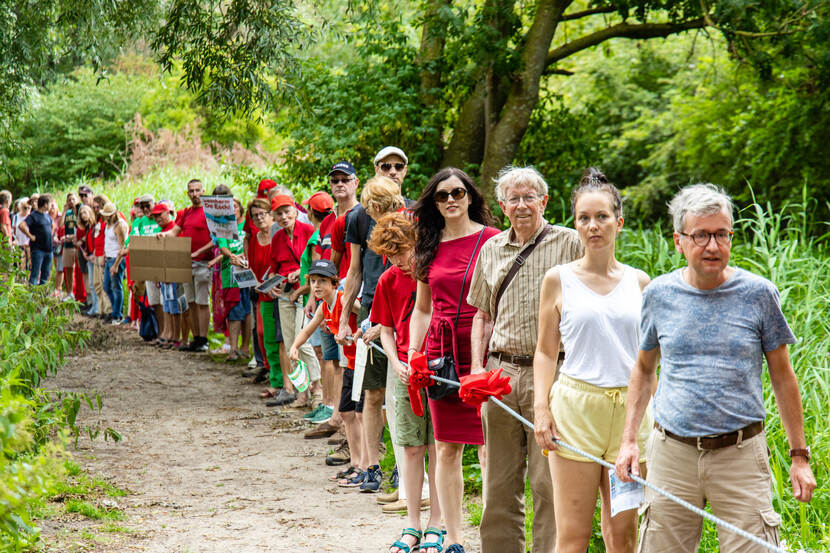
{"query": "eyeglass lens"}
[(339, 181), (388, 166), (457, 193)]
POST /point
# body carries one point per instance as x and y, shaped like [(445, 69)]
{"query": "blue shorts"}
[(243, 308), (170, 298), (314, 340), (330, 350)]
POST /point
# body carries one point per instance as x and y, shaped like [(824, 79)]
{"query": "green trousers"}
[(269, 339)]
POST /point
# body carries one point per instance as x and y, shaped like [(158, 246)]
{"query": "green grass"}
[(91, 511)]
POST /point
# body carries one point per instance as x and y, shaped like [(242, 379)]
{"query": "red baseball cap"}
[(281, 200), (320, 201), (159, 208), (264, 186)]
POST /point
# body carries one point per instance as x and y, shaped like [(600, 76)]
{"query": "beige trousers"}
[(511, 453), (734, 480), (104, 305)]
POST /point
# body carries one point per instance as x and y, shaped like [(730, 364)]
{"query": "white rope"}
[(697, 510)]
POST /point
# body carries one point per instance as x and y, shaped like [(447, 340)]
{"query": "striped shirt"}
[(517, 328)]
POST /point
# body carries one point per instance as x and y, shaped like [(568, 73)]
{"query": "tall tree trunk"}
[(430, 56), (467, 143), (524, 92)]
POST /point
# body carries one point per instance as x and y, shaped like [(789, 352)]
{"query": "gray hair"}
[(511, 176), (698, 199)]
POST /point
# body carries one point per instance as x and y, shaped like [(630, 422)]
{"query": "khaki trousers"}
[(511, 453), (104, 305), (734, 480), (291, 321)]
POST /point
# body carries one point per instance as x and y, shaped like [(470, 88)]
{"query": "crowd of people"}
[(368, 286)]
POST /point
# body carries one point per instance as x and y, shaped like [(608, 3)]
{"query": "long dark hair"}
[(431, 222)]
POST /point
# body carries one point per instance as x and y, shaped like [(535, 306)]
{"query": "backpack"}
[(148, 328)]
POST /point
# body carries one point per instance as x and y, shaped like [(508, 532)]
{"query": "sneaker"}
[(125, 321), (324, 415), (314, 412), (373, 479), (252, 363), (355, 481), (394, 479), (202, 348), (282, 398), (115, 322), (340, 456)]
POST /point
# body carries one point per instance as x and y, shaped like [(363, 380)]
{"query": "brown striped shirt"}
[(516, 329)]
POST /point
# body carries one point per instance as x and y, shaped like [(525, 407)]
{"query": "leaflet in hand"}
[(270, 284), (624, 495), (244, 278)]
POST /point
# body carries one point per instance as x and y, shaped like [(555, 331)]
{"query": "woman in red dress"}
[(453, 224)]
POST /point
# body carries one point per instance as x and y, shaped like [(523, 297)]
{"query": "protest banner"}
[(221, 218)]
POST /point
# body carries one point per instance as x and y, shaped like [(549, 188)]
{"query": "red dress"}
[(452, 420)]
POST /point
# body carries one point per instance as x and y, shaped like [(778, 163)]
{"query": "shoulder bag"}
[(517, 264), (444, 366)]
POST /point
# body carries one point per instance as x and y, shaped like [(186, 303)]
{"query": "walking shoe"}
[(261, 375), (314, 412), (252, 363), (373, 479), (340, 456), (386, 498), (282, 398), (399, 507), (322, 430), (393, 480), (455, 548), (355, 481), (323, 415)]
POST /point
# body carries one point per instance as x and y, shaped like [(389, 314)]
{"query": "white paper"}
[(244, 278), (182, 304), (624, 495), (221, 217), (359, 369)]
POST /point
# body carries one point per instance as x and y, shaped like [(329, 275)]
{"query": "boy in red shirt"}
[(287, 247), (323, 280), (394, 238)]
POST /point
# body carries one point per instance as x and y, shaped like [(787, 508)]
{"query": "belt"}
[(517, 359), (717, 441)]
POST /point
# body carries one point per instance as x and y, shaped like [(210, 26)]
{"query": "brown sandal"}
[(269, 393)]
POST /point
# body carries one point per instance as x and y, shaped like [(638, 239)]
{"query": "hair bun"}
[(592, 175)]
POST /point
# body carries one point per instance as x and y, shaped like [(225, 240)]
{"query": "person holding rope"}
[(505, 292), (453, 224), (711, 326), (593, 306)]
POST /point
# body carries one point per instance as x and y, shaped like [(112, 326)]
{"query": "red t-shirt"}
[(169, 226), (259, 260), (324, 244), (98, 237), (193, 224), (6, 220), (285, 255), (393, 305), (332, 322), (338, 244)]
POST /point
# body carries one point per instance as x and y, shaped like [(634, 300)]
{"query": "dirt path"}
[(209, 467)]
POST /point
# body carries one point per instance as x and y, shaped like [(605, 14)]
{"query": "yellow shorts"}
[(592, 419)]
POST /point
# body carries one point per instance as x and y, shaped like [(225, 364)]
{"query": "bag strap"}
[(517, 264), (464, 280)]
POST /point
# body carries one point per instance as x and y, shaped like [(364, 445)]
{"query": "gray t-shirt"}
[(712, 345)]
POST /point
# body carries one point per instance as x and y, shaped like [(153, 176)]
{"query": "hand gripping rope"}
[(495, 386)]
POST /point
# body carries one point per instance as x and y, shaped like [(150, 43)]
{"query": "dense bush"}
[(35, 337)]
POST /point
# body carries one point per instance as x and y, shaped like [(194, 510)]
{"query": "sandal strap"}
[(411, 532), (438, 543)]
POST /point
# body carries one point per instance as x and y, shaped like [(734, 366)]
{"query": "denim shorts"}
[(243, 308), (330, 350)]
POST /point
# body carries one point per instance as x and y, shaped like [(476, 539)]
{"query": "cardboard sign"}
[(160, 260), (221, 217)]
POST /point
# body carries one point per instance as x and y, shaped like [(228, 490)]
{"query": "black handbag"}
[(444, 366)]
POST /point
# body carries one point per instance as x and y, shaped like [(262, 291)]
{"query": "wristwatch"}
[(797, 452)]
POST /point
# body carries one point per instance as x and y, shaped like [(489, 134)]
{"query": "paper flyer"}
[(220, 216), (624, 495), (359, 369), (244, 277)]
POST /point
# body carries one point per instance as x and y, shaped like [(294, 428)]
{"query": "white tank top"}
[(600, 334), (111, 245)]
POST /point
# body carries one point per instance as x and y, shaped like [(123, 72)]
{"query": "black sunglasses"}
[(339, 181), (386, 167), (457, 193), (83, 195)]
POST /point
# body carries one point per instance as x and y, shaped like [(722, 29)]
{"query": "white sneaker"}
[(252, 363)]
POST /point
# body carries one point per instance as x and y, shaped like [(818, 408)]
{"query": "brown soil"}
[(208, 466)]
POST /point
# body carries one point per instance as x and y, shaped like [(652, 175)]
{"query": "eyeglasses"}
[(83, 195), (260, 215), (386, 167), (701, 237), (144, 206), (516, 200), (341, 181), (457, 193)]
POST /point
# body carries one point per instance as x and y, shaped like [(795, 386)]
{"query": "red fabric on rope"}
[(419, 378), (477, 388)]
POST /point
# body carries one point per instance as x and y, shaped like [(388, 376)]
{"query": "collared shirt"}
[(516, 329)]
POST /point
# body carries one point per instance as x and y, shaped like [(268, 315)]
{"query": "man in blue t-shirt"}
[(38, 227), (711, 326)]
